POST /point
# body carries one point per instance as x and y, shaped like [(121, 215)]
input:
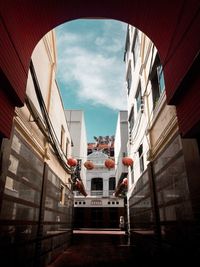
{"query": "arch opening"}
[(170, 40), (170, 53)]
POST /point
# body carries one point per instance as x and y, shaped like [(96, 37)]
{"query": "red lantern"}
[(109, 163), (125, 181), (121, 187), (89, 165), (127, 161), (80, 187), (72, 162)]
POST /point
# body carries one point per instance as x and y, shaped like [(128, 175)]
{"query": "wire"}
[(53, 138)]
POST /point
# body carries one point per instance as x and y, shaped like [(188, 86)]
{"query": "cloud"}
[(104, 43), (69, 38), (111, 38), (92, 63)]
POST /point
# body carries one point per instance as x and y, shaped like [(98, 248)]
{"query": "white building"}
[(77, 129), (121, 139), (158, 194), (100, 180), (138, 113), (100, 209)]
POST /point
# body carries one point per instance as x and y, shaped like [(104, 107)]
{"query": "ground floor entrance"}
[(97, 217)]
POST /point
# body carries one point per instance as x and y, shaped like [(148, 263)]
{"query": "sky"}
[(91, 71)]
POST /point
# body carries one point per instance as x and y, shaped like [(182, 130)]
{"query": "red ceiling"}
[(172, 25)]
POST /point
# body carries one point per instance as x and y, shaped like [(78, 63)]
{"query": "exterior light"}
[(89, 165), (80, 187), (109, 163), (72, 162), (127, 161), (122, 187)]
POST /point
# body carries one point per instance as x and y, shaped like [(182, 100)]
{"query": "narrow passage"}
[(99, 249)]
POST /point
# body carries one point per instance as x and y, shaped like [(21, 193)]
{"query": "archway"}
[(173, 28), (166, 59)]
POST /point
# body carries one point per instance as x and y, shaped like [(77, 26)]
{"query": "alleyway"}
[(108, 248), (143, 174), (99, 248)]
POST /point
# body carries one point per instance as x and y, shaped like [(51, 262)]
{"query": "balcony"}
[(97, 193)]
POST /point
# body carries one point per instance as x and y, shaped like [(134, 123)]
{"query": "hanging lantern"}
[(127, 161), (119, 189), (80, 187), (125, 181), (122, 187), (72, 162), (89, 165), (109, 163)]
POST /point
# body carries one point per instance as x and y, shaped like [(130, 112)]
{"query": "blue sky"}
[(91, 71)]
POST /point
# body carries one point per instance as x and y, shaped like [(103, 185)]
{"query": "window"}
[(131, 119), (132, 175), (67, 145), (127, 46), (129, 78), (97, 184), (62, 138), (161, 81), (136, 47), (157, 81), (62, 194), (138, 97), (141, 159), (89, 151), (112, 183), (112, 152)]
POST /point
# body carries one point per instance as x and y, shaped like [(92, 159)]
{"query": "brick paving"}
[(99, 249)]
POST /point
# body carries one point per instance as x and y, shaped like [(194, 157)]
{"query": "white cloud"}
[(99, 76), (111, 47), (68, 38), (110, 40), (100, 41)]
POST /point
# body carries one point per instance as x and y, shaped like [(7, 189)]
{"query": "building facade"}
[(121, 140), (77, 129), (162, 202), (101, 208), (37, 200)]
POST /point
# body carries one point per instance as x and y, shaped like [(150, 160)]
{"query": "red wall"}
[(6, 114), (173, 26)]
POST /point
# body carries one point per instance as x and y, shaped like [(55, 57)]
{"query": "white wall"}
[(100, 171), (121, 139), (137, 136), (44, 61), (76, 123)]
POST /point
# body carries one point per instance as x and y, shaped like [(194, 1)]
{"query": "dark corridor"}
[(99, 248), (93, 248)]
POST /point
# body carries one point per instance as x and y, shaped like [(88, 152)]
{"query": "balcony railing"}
[(97, 193)]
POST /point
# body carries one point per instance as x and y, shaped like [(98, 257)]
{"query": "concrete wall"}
[(121, 139), (76, 123), (45, 72)]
